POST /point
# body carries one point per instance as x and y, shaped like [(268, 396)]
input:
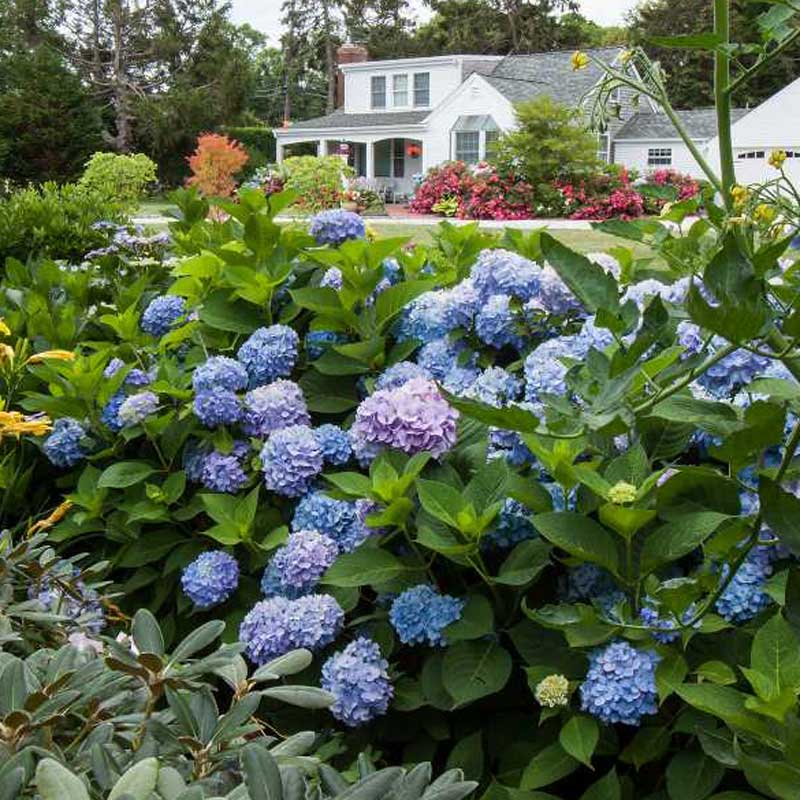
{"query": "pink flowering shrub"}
[(609, 195), (684, 187)]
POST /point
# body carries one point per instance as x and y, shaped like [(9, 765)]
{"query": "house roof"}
[(483, 66), (338, 119), (525, 77), (700, 123)]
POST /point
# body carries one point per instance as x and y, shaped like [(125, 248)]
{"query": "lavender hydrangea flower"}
[(274, 406), (138, 377), (337, 226), (64, 447), (315, 621), (335, 444), (137, 408), (420, 614), (545, 372), (113, 367), (554, 297), (269, 353), (435, 314), (359, 680), (413, 418), (460, 380), (332, 279), (265, 630), (441, 356), (222, 472), (496, 387), (211, 578), (504, 272), (217, 407), (400, 373), (337, 519), (621, 684), (690, 338), (220, 372), (296, 568), (161, 314), (290, 460), (496, 324)]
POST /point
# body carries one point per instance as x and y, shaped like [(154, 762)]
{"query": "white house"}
[(400, 117)]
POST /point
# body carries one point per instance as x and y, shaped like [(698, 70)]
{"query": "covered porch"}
[(388, 163)]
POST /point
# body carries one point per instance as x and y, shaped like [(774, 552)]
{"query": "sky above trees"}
[(264, 15)]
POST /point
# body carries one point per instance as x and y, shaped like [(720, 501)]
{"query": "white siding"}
[(445, 78), (633, 155)]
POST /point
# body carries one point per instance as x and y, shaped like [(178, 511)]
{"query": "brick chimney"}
[(347, 54)]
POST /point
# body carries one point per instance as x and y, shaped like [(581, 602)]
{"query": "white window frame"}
[(477, 150), (604, 147), (416, 90), (659, 156), (373, 82), (752, 155), (403, 92)]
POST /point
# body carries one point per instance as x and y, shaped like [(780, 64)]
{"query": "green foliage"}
[(121, 178), (258, 141), (318, 182)]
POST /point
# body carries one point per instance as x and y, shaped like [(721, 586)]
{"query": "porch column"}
[(320, 143), (370, 170), (279, 152)]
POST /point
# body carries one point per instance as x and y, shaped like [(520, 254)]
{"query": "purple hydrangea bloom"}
[(162, 313), (296, 568), (319, 342), (545, 373), (211, 578), (746, 595), (504, 272), (109, 416), (337, 519), (691, 338), (420, 614), (441, 355), (222, 472), (217, 407), (269, 353), (64, 447), (359, 680), (413, 418), (337, 226), (113, 367), (290, 460), (592, 336), (399, 373), (496, 324), (621, 684), (274, 406), (513, 526), (137, 408), (220, 372), (138, 377), (315, 621), (332, 279), (335, 444)]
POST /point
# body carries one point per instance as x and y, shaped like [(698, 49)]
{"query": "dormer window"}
[(400, 91), (378, 91), (422, 89)]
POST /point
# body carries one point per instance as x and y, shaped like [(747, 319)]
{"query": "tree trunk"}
[(121, 94)]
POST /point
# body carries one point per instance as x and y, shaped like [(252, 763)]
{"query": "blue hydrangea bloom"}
[(690, 337), (359, 680), (337, 226), (274, 406), (514, 525), (162, 313), (503, 272), (441, 356), (113, 367), (85, 609), (138, 377), (217, 407), (194, 459), (554, 297), (725, 378), (332, 279), (508, 445), (337, 519), (419, 615), (587, 582), (496, 387), (266, 631), (295, 568), (269, 353), (211, 578), (315, 621), (545, 373), (319, 342), (137, 408), (399, 373), (222, 472), (746, 596), (620, 686), (435, 314), (64, 447), (642, 292), (109, 416), (652, 619), (220, 372), (460, 380), (335, 444), (496, 324), (592, 336), (290, 460)]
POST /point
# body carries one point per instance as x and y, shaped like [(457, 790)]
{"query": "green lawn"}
[(154, 208)]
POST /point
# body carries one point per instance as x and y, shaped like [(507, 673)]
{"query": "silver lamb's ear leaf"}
[(170, 784), (56, 782), (288, 664), (297, 745), (261, 775), (139, 782)]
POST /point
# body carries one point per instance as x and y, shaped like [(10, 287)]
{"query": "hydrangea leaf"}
[(607, 788), (579, 738), (475, 669), (124, 474), (692, 776), (364, 567), (580, 536), (781, 511), (548, 766)]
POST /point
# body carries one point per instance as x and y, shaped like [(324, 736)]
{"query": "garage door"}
[(752, 166)]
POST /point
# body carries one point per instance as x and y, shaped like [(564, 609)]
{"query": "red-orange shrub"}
[(214, 163)]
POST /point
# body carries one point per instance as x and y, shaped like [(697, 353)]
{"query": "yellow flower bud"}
[(4, 329), (56, 355), (552, 691), (621, 493), (579, 60), (739, 195), (6, 354), (777, 158), (765, 214)]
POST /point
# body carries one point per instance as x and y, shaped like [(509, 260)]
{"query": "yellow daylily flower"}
[(739, 195), (765, 214), (777, 158), (6, 354), (4, 329), (56, 516), (12, 423), (579, 60), (56, 355)]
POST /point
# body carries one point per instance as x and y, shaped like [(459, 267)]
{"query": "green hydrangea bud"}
[(552, 691), (621, 493)]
